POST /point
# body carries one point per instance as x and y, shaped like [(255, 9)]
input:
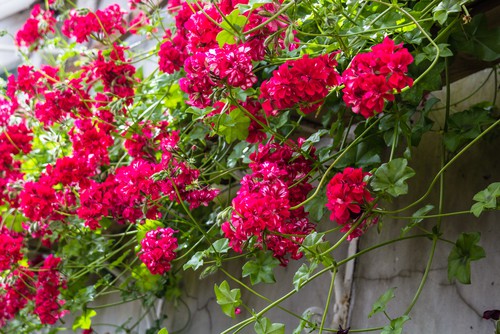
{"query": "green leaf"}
[(479, 39), (396, 326), (235, 20), (444, 8), (233, 126), (390, 177), (461, 255), (261, 269), (303, 274), (144, 280), (381, 303), (466, 125), (220, 246), (314, 138), (264, 326), (84, 321), (232, 25), (163, 331), (314, 246), (225, 37), (414, 222), (237, 154), (228, 299), (316, 206), (486, 199), (195, 262)]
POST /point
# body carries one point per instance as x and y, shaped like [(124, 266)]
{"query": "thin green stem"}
[(446, 166), (424, 277), (328, 300)]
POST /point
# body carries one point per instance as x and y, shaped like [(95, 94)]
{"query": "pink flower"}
[(304, 82), (38, 25), (262, 206), (10, 248), (82, 23), (158, 250), (348, 196), (373, 77), (48, 285)]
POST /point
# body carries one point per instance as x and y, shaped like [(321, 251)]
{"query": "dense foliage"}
[(159, 139)]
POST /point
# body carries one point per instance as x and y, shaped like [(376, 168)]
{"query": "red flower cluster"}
[(171, 56), (279, 180), (116, 73), (36, 27), (10, 248), (21, 286), (82, 23), (48, 285), (158, 250), (373, 77), (196, 31), (230, 66), (304, 82), (18, 291), (347, 196), (14, 139), (132, 194)]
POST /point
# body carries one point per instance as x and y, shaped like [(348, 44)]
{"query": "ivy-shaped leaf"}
[(466, 125), (233, 126), (261, 269), (381, 303), (225, 37), (316, 207), (391, 177), (264, 326), (220, 246), (314, 246), (84, 321), (445, 8), (195, 262), (163, 331), (486, 199), (396, 326), (303, 274), (228, 299), (465, 250), (479, 39), (415, 221)]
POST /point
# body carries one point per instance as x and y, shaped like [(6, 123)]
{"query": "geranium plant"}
[(163, 138)]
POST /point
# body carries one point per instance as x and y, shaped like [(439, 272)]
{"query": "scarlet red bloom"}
[(230, 65), (18, 292), (115, 72), (38, 25), (48, 285), (348, 196), (262, 205), (373, 77), (10, 248), (303, 82), (158, 250), (82, 23)]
